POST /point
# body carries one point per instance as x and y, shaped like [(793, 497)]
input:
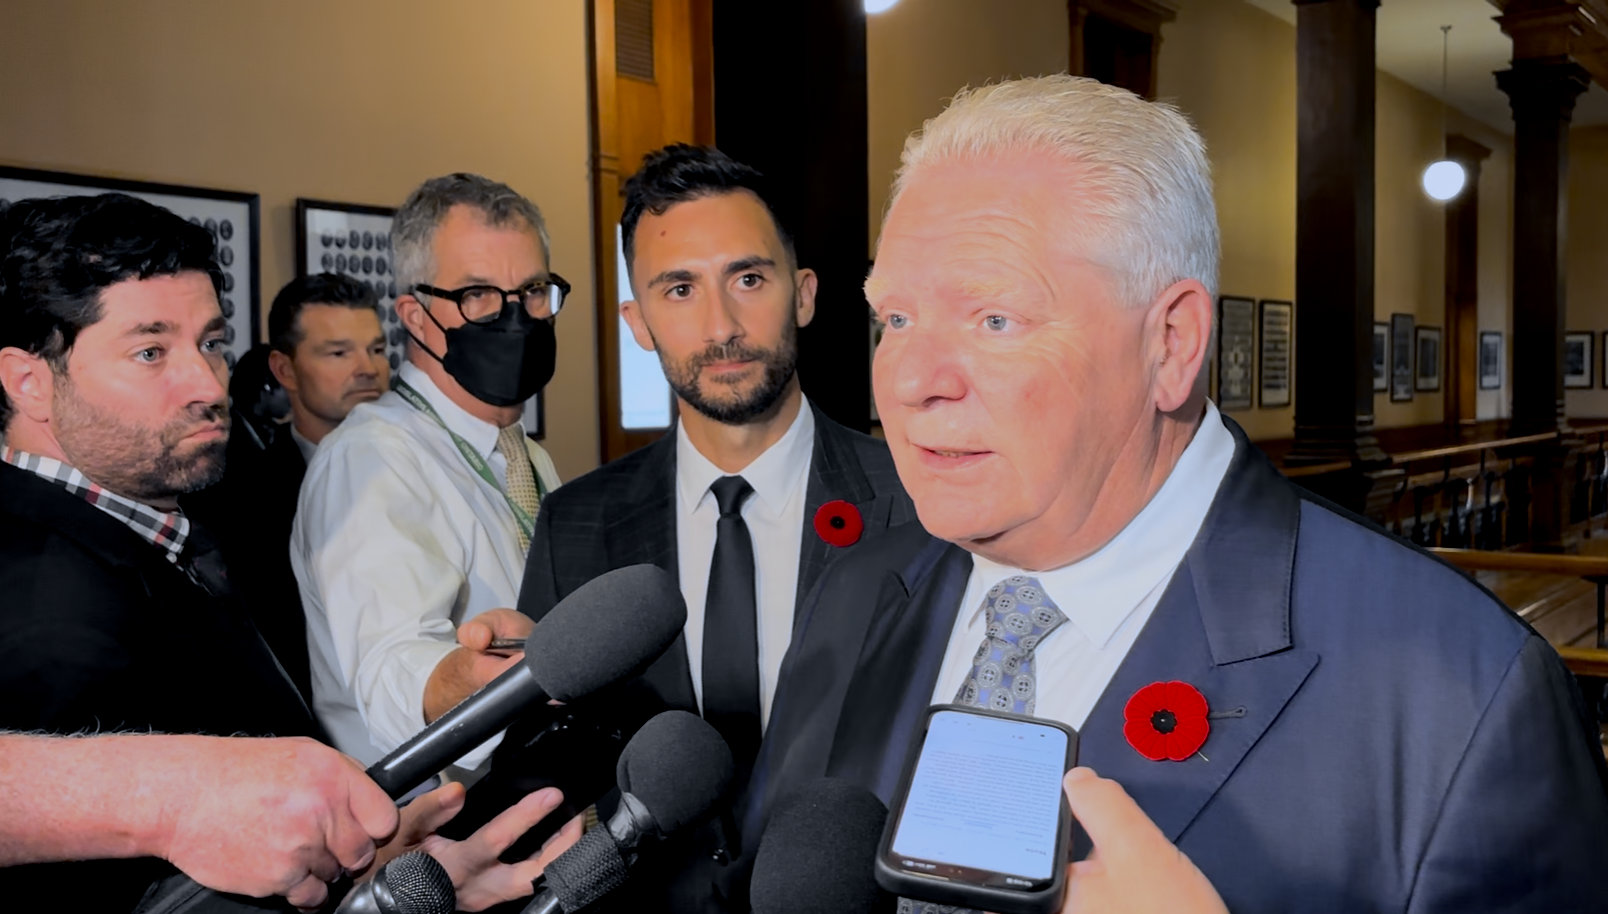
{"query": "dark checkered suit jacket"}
[(623, 513)]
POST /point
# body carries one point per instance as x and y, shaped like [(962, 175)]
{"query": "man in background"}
[(416, 512)]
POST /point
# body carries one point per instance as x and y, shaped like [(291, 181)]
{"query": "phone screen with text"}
[(985, 795)]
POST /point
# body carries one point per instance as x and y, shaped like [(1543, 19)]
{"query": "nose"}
[(369, 364), (917, 370), (720, 323), (204, 379)]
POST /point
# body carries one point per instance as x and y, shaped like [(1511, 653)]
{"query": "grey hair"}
[(1148, 181), (413, 227)]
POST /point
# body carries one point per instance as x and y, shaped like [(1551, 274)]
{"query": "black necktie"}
[(202, 561), (731, 628)]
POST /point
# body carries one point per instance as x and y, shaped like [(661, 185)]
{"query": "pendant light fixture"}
[(1444, 179)]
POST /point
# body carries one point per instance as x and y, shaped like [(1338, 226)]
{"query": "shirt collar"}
[(1100, 591), (774, 475), (167, 529), (302, 444), (481, 435)]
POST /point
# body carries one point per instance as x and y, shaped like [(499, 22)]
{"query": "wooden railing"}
[(1590, 568)]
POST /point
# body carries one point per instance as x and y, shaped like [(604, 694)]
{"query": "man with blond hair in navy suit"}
[(1389, 738)]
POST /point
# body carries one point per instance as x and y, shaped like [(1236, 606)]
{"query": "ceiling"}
[(1409, 48)]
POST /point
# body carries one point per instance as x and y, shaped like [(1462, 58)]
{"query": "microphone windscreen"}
[(419, 884), (609, 629), (678, 766), (818, 851)]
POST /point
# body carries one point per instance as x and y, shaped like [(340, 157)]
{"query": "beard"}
[(146, 464), (729, 404)]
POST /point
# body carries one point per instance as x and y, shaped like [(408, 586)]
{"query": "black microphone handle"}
[(597, 864), (474, 720)]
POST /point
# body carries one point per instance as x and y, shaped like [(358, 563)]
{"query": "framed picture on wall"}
[(1427, 364), (1401, 357), (1577, 359), (1490, 360), (354, 239), (1381, 356), (1275, 379), (1236, 341), (1604, 372), (229, 216)]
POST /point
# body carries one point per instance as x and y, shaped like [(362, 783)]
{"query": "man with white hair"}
[(1287, 710), (416, 512)]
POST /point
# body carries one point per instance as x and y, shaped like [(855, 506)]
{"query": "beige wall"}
[(355, 101), (1587, 284), (921, 52)]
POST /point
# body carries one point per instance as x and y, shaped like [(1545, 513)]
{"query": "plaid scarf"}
[(167, 529)]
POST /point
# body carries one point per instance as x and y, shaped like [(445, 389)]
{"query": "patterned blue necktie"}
[(1002, 678)]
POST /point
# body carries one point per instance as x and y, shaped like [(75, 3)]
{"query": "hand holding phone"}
[(980, 819)]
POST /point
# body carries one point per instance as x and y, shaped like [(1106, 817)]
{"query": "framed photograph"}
[(1236, 339), (1276, 342), (230, 216), (1427, 364), (354, 239), (1401, 357), (1577, 359), (1604, 372), (1491, 360), (1381, 356)]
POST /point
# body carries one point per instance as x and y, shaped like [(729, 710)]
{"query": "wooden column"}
[(790, 100), (1542, 94), (1462, 285), (1334, 259)]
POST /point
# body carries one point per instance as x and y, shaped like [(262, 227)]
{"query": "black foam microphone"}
[(671, 775), (817, 853), (609, 629), (414, 883)]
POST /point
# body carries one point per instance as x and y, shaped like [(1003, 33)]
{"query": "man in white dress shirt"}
[(416, 512)]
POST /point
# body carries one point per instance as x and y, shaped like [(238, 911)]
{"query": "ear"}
[(632, 312), (805, 282), (1180, 329), (410, 311), (29, 383), (279, 366)]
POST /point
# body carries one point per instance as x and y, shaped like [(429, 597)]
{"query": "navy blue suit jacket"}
[(1408, 743)]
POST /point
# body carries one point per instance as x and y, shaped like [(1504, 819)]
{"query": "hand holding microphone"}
[(671, 775)]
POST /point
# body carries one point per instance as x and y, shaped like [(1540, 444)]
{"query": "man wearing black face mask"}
[(416, 512)]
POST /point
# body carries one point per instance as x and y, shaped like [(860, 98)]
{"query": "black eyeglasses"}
[(481, 304)]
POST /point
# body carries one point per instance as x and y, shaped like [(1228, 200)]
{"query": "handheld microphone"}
[(670, 776), (414, 883), (817, 853), (610, 628)]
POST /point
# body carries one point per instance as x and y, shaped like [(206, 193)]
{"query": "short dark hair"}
[(284, 316), (58, 254), (681, 172)]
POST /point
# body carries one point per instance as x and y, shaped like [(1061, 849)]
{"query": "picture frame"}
[(1275, 338), (1401, 358), (232, 217), (1381, 357), (1490, 359), (1427, 358), (1604, 372), (1236, 355), (354, 239), (1577, 361)]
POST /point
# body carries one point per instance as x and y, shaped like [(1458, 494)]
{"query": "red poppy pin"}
[(1166, 720), (839, 523)]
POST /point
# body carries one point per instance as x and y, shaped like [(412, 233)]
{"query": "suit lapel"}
[(891, 690), (1223, 626), (835, 474), (641, 529)]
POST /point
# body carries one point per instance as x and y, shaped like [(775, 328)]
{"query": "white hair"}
[(1147, 181)]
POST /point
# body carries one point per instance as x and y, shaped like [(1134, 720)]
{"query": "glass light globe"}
[(872, 7), (1444, 180)]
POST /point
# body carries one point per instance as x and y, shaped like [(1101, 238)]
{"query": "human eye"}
[(480, 295), (149, 354), (998, 323), (750, 280), (895, 321), (679, 290), (213, 345)]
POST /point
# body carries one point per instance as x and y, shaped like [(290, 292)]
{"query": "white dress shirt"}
[(397, 541), (302, 443), (1107, 596), (775, 518)]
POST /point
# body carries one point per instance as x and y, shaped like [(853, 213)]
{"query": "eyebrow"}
[(154, 328), (673, 276), (749, 263), (483, 281)]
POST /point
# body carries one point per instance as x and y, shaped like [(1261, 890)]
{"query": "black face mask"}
[(501, 363)]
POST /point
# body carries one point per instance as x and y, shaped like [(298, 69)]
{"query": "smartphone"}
[(979, 819)]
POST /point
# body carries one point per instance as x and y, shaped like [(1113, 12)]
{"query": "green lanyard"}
[(473, 458)]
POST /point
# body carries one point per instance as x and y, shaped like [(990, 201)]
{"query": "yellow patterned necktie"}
[(521, 475)]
